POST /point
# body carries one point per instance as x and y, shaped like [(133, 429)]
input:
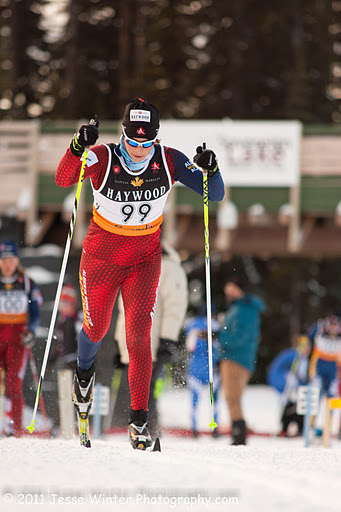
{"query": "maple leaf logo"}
[(155, 166), (137, 182), (141, 131)]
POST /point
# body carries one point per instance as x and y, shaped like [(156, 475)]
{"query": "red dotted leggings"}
[(110, 262)]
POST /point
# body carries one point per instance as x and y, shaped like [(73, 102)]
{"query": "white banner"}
[(260, 153), (187, 135), (250, 153)]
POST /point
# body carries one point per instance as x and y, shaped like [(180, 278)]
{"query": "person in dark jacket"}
[(238, 342)]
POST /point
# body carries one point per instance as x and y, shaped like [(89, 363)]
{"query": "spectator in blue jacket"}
[(238, 343)]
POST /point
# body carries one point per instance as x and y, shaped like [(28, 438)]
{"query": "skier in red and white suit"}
[(130, 182), (20, 302)]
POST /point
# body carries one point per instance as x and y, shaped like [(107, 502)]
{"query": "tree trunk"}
[(124, 52), (16, 50), (72, 56)]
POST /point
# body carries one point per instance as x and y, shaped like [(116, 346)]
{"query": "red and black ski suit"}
[(122, 247)]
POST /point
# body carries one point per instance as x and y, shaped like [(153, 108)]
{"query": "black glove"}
[(168, 351), (87, 136), (206, 159), (28, 338)]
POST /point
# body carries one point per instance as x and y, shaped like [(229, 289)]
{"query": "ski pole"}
[(31, 427), (307, 417), (35, 378), (212, 424)]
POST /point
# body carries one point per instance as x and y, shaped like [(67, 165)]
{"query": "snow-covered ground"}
[(205, 474)]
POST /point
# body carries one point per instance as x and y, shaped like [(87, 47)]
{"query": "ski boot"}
[(138, 433), (9, 429), (82, 397), (195, 433), (238, 432)]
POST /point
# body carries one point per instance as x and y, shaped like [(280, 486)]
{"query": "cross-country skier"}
[(325, 335), (288, 371), (131, 182), (20, 301)]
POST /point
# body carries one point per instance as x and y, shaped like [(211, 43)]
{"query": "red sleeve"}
[(70, 166), (170, 161)]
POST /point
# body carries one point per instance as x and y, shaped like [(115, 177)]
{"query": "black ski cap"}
[(141, 119)]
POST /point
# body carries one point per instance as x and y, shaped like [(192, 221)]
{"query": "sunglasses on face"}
[(134, 144)]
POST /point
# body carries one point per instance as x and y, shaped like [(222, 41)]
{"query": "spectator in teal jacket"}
[(238, 342)]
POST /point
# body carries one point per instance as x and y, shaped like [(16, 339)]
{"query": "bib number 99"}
[(128, 210)]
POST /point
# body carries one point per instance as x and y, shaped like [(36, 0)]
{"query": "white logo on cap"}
[(140, 115)]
